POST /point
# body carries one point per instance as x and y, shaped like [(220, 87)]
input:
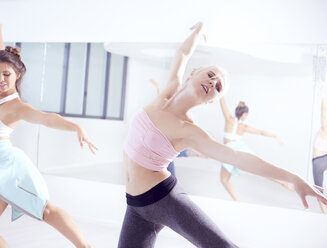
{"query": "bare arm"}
[(28, 113), (2, 45), (202, 142), (155, 85), (253, 130), (224, 108), (180, 60), (192, 153)]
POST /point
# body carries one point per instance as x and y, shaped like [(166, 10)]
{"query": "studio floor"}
[(99, 207)]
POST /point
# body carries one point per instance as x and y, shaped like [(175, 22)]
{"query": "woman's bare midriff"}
[(140, 179), (317, 153)]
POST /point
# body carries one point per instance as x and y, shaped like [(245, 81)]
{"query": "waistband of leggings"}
[(154, 194), (322, 156)]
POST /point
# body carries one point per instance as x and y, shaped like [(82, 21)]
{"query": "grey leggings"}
[(319, 165), (176, 211)]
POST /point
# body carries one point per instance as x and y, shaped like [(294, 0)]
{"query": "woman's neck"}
[(7, 93), (181, 103)]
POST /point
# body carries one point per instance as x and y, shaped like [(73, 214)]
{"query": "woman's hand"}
[(279, 140), (200, 26), (303, 188), (83, 138)]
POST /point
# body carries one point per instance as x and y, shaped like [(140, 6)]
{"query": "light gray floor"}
[(99, 208), (29, 233)]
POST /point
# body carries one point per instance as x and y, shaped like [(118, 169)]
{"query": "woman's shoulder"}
[(11, 105), (19, 107), (157, 104), (10, 110), (192, 129)]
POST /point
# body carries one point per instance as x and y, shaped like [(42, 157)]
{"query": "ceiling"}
[(228, 22)]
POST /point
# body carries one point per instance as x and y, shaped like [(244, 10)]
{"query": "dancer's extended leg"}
[(65, 224), (225, 178), (3, 206), (3, 243)]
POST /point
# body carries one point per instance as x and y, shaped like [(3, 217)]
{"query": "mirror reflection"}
[(270, 110)]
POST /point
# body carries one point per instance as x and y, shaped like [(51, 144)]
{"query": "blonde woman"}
[(158, 132)]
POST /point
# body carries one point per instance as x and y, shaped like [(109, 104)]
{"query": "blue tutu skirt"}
[(21, 184), (239, 146)]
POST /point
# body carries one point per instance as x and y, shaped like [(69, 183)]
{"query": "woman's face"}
[(8, 78), (206, 83)]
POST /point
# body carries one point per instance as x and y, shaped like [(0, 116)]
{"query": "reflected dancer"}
[(234, 130)]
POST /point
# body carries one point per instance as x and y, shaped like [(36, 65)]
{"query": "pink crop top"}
[(147, 145)]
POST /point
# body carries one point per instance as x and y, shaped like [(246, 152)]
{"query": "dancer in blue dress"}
[(21, 184)]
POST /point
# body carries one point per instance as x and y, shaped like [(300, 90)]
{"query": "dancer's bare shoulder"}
[(8, 112), (192, 134)]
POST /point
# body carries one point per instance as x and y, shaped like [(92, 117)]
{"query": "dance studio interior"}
[(94, 63)]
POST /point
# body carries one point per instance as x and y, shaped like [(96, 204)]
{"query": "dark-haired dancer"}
[(157, 134), (233, 133), (21, 184)]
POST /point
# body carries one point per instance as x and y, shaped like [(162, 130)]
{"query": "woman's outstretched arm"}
[(2, 45), (253, 130), (200, 141), (28, 113), (180, 60)]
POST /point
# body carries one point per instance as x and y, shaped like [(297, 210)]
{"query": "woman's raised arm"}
[(224, 108), (28, 113), (180, 60), (2, 45)]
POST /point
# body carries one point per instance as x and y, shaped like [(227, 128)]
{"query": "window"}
[(74, 79)]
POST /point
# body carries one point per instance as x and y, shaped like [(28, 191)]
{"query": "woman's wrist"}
[(77, 128), (294, 178)]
